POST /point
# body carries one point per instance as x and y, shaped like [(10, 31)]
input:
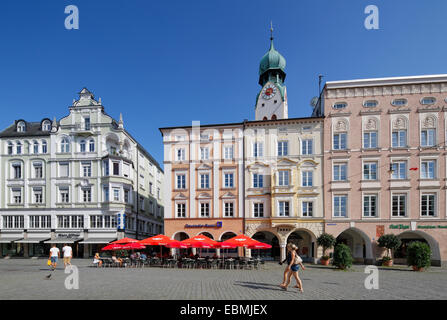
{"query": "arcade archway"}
[(359, 243), (407, 237), (271, 239), (305, 241)]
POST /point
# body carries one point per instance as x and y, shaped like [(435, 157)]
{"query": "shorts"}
[(67, 259), (53, 259), (295, 267)]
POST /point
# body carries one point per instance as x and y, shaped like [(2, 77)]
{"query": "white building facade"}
[(82, 180)]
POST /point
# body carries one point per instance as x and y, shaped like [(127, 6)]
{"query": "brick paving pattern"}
[(26, 279)]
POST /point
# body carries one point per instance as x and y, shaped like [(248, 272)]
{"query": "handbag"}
[(49, 262), (297, 259)]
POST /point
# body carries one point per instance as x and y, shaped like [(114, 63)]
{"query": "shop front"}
[(279, 232), (216, 229), (8, 245), (361, 238)]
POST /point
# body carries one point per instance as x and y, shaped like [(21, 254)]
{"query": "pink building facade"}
[(385, 163)]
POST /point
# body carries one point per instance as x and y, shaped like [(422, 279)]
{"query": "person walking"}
[(68, 253), (54, 255), (294, 262)]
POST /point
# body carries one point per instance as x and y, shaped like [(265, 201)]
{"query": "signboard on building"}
[(121, 221), (218, 224), (68, 235)]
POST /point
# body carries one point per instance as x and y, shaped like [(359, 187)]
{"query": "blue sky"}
[(167, 63)]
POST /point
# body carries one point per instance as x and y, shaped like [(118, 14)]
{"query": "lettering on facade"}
[(432, 227), (217, 225), (399, 226)]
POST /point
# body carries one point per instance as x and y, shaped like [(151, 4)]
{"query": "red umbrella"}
[(125, 241), (133, 245), (112, 247), (260, 245), (177, 244), (200, 241), (158, 240), (241, 241)]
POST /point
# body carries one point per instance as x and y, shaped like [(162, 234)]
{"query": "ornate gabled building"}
[(82, 180)]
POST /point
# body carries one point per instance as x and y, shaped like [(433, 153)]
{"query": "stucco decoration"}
[(252, 228), (341, 125), (370, 124), (429, 122), (400, 123)]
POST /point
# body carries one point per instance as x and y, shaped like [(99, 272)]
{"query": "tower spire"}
[(271, 30)]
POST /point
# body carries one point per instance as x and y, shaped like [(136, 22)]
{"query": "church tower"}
[(271, 102)]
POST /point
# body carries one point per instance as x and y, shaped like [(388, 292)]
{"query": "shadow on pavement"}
[(257, 285)]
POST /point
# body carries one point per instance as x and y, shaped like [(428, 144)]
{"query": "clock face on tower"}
[(269, 91)]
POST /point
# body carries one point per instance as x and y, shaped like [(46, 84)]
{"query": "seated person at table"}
[(118, 260), (143, 256), (97, 261), (133, 256), (196, 256), (191, 255), (215, 256)]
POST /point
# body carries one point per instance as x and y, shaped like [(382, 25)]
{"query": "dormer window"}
[(339, 105), (428, 100), (46, 125), (399, 102), (21, 126), (370, 103)]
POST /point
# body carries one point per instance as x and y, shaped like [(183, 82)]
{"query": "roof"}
[(386, 81), (272, 60), (33, 129), (242, 123)]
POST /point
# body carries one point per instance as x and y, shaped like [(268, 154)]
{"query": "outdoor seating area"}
[(119, 256), (185, 263)]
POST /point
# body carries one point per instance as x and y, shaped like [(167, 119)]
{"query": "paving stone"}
[(26, 279)]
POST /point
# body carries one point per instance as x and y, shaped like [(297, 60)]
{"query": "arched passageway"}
[(271, 239)]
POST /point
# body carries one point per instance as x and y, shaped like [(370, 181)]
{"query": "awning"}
[(63, 240), (9, 239), (98, 240), (33, 240)]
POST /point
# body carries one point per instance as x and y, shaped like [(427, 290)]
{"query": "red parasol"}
[(112, 247), (261, 245), (241, 241), (133, 245), (125, 241), (177, 245), (158, 240), (200, 241)]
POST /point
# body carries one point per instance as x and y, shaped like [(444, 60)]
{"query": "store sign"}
[(68, 235), (121, 220), (399, 226), (432, 227), (217, 225)]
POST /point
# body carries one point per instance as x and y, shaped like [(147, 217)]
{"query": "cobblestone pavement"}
[(26, 279)]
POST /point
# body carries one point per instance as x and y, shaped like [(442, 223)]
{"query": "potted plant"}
[(342, 256), (418, 255), (390, 242), (327, 241)]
